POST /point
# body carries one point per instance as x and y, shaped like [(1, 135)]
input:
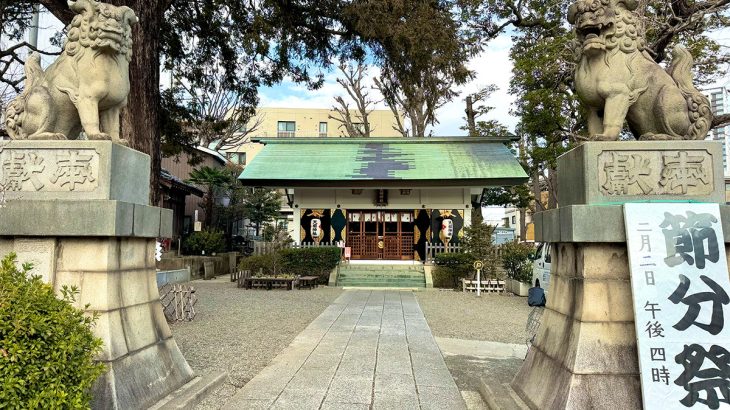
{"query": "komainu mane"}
[(86, 87), (617, 80)]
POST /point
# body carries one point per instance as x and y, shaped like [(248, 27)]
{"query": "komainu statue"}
[(86, 87), (617, 80)]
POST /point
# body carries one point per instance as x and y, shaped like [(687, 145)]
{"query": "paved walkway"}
[(369, 349)]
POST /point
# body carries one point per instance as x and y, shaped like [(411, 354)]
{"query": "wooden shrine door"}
[(380, 234)]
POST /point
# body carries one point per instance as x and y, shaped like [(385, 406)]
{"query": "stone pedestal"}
[(78, 211), (584, 355)]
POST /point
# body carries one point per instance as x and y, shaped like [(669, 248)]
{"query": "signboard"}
[(680, 285), (316, 228), (197, 226)]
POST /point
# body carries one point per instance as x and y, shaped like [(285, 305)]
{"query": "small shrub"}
[(516, 261), (47, 349), (209, 241), (318, 261), (451, 268), (278, 235), (262, 265)]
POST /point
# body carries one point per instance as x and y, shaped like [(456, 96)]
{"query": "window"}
[(322, 129), (238, 158), (514, 220), (286, 129)]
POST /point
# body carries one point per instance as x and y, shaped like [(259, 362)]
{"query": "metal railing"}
[(285, 134)]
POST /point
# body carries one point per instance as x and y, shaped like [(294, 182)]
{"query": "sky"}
[(492, 66)]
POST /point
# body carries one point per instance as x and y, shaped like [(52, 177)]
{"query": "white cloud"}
[(292, 95)]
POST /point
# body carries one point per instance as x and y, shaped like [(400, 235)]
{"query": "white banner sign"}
[(679, 279)]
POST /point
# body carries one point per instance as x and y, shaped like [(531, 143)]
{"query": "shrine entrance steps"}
[(382, 276)]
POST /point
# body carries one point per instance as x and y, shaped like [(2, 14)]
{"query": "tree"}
[(256, 43), (421, 50), (261, 205), (357, 125), (551, 120), (475, 108), (220, 118), (477, 242), (213, 179)]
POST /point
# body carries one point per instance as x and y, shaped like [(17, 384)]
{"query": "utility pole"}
[(33, 37)]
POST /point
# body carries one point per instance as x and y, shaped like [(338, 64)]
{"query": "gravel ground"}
[(241, 331), (460, 315)]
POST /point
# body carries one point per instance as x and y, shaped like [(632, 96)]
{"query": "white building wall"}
[(719, 97)]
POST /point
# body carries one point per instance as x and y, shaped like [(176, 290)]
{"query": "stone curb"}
[(506, 399), (192, 393)]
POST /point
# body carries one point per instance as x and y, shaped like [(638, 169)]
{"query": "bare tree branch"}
[(720, 120), (221, 118), (352, 81)]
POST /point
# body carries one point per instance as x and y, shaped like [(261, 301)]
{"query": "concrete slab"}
[(361, 352), (481, 349)]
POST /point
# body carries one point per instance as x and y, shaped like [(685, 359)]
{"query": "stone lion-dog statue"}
[(86, 87), (617, 80)]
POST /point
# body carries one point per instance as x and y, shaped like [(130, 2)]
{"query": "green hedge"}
[(47, 349), (267, 265), (317, 261), (451, 268)]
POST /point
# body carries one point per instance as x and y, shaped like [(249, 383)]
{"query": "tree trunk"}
[(208, 204), (553, 199), (470, 117), (140, 120), (523, 224), (536, 191)]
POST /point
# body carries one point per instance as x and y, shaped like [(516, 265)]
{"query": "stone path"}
[(369, 349)]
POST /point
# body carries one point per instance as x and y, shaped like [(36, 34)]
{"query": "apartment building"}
[(304, 122)]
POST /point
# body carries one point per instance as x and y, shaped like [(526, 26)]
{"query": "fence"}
[(265, 248), (178, 302)]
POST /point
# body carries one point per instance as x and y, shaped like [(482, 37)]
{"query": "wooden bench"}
[(268, 283), (488, 285), (308, 282)]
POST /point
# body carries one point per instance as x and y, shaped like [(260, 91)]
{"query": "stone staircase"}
[(382, 276)]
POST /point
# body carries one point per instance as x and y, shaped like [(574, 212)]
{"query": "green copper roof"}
[(383, 162)]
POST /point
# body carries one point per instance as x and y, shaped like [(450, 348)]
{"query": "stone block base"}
[(116, 278), (584, 355), (544, 383)]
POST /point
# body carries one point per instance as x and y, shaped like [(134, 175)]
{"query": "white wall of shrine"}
[(417, 198)]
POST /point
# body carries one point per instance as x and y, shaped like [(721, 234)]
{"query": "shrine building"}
[(383, 197)]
